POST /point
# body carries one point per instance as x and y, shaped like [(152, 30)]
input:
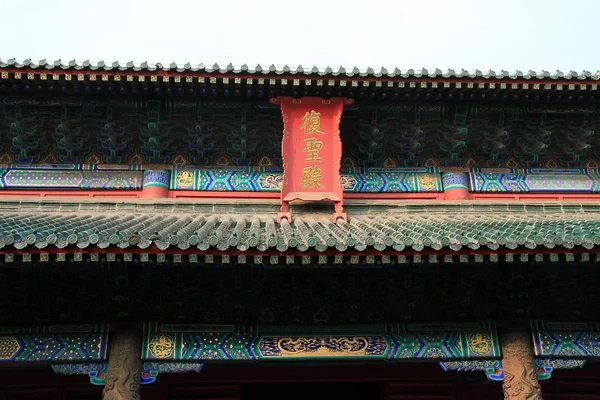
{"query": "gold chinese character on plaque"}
[(312, 147), (311, 123), (311, 178)]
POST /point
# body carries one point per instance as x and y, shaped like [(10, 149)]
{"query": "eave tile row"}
[(311, 232), (299, 70)]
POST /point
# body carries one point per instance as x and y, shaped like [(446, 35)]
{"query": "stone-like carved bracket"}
[(494, 372), (149, 370)]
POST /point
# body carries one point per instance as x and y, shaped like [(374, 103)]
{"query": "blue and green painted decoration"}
[(189, 343), (81, 343), (455, 180), (553, 339), (166, 348), (71, 176), (354, 180), (535, 181), (557, 345), (265, 179)]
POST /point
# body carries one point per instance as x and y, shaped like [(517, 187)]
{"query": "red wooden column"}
[(311, 150)]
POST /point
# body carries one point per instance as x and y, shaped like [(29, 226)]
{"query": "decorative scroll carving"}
[(327, 346), (162, 346), (520, 377), (123, 375)]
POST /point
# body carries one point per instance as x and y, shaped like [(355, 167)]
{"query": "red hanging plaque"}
[(311, 150)]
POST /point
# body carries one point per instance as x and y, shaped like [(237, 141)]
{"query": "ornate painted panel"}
[(77, 167), (70, 177), (79, 343), (226, 179), (566, 339), (536, 180), (354, 180), (391, 342), (157, 178), (391, 180), (455, 180)]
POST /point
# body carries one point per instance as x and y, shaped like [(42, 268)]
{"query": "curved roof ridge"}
[(308, 70)]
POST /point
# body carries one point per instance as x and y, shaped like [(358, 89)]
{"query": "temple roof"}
[(300, 70), (250, 226)]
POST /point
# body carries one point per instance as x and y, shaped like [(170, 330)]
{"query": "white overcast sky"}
[(470, 34)]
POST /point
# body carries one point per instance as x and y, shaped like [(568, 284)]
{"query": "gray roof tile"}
[(307, 71), (414, 231)]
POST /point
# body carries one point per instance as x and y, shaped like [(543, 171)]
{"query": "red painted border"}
[(183, 194), (537, 196), (188, 194), (72, 193)]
